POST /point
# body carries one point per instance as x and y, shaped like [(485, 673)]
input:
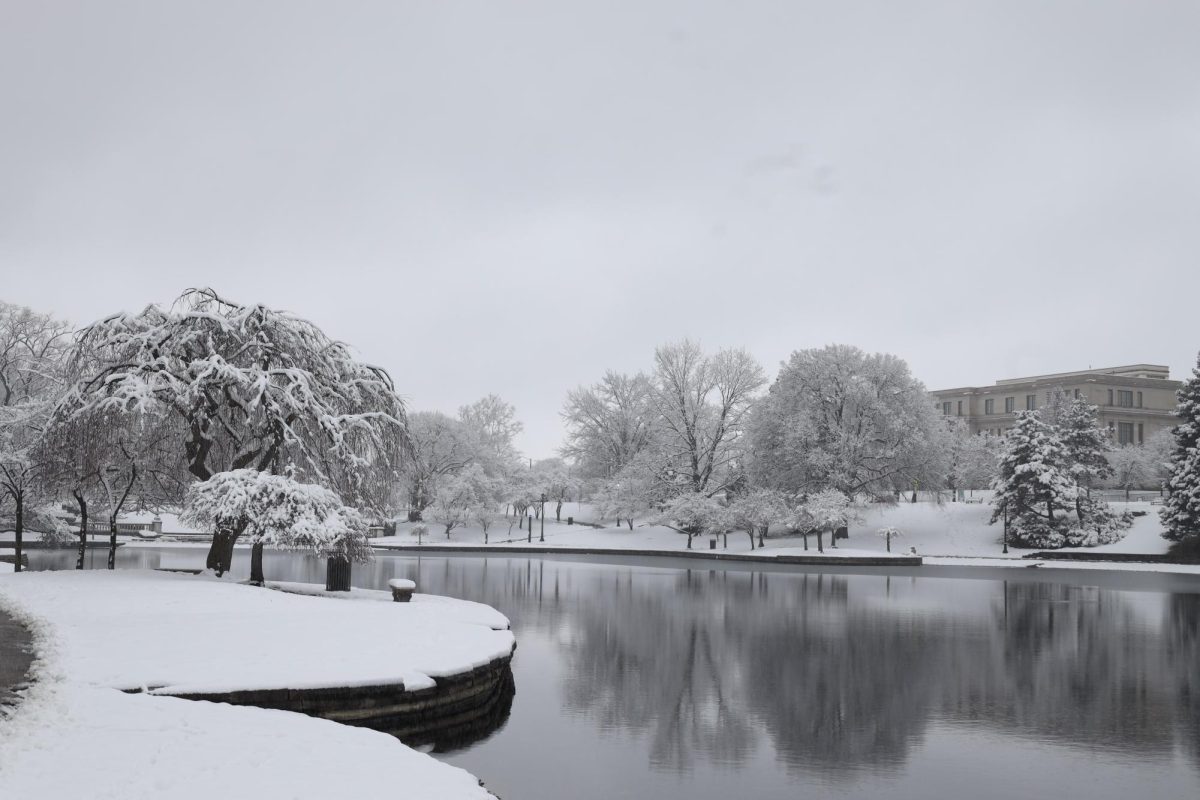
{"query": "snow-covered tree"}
[(1130, 467), (249, 387), (828, 510), (888, 534), (630, 493), (461, 497), (1086, 446), (31, 370), (441, 446), (702, 402), (280, 512), (836, 417), (694, 513), (609, 423), (757, 510), (493, 424), (558, 481), (1033, 484), (973, 458), (1181, 509)]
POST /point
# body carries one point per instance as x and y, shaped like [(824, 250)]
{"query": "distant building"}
[(1134, 401)]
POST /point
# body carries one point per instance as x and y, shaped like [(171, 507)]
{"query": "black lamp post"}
[(1006, 528), (542, 534)]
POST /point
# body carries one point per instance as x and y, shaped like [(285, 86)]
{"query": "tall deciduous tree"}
[(441, 446), (250, 388), (839, 418), (702, 402), (494, 425), (31, 374), (1181, 509), (609, 423)]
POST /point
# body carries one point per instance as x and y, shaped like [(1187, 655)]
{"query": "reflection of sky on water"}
[(666, 682)]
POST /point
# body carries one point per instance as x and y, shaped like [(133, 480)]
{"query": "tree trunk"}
[(256, 567), (112, 541), (558, 512), (630, 521), (805, 536), (725, 539), (750, 533), (79, 498), (689, 547), (820, 543), (888, 541), (220, 553), (914, 496), (19, 497)]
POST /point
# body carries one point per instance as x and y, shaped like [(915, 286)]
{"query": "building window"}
[(1030, 402), (946, 408), (1010, 405), (1141, 433), (1110, 402), (989, 406), (1076, 394), (960, 408), (1124, 433), (1139, 405), (1124, 398)]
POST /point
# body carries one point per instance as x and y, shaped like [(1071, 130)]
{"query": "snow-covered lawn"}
[(100, 631), (948, 529)]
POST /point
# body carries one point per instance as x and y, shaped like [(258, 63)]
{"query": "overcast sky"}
[(511, 197)]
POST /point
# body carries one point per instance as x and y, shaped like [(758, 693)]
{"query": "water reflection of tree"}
[(839, 687), (1074, 665), (661, 662), (1183, 647)]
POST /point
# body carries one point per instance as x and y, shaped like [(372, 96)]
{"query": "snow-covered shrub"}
[(277, 511)]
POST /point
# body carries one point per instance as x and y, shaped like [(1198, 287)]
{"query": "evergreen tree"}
[(1181, 510), (1034, 483), (1086, 445)]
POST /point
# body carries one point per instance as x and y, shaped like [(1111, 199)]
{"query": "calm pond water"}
[(664, 680)]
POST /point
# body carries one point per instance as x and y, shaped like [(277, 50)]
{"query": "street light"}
[(1005, 529), (542, 535)]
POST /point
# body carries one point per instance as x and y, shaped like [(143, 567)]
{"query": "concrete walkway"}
[(16, 655)]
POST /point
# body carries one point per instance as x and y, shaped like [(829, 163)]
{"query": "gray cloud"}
[(512, 196)]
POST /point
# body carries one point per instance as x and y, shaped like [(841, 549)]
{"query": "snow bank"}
[(134, 629), (75, 735)]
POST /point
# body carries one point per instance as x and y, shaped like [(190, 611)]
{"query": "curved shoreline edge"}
[(458, 708), (822, 560)]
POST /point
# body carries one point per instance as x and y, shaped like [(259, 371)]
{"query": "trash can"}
[(337, 574)]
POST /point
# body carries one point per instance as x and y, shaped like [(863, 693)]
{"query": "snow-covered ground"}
[(946, 529), (98, 632)]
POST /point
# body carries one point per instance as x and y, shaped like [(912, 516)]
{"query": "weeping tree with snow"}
[(249, 388), (757, 510), (1181, 509), (280, 512)]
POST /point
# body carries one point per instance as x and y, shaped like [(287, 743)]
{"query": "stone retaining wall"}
[(455, 711)]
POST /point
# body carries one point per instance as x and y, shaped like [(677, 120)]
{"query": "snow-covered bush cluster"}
[(278, 511)]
